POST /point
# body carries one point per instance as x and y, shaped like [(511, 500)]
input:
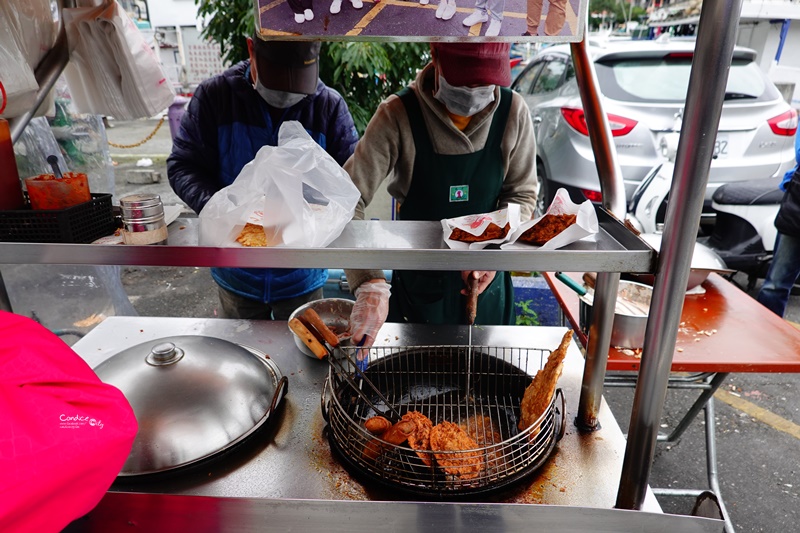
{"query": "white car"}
[(644, 85)]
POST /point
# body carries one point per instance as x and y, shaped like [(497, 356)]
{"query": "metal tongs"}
[(322, 342)]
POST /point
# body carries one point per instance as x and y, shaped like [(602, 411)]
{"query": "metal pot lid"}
[(193, 397)]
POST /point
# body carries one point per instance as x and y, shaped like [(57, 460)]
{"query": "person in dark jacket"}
[(785, 267), (229, 118)]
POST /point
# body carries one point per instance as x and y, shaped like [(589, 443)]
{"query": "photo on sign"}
[(423, 20)]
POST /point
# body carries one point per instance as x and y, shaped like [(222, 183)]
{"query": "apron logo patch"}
[(459, 193)]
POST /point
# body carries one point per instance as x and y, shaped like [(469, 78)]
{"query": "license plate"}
[(721, 147)]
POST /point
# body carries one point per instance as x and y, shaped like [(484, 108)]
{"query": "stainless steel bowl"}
[(334, 312), (704, 261), (629, 324)]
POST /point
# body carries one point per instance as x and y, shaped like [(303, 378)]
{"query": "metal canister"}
[(143, 219)]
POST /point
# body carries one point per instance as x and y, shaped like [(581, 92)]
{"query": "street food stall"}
[(289, 471)]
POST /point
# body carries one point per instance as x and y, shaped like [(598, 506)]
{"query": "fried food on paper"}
[(419, 439), (540, 392), (465, 460), (492, 231), (547, 228), (252, 235)]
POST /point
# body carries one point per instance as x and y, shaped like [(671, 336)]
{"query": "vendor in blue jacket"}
[(229, 118)]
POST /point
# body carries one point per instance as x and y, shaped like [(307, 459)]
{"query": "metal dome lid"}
[(193, 397)]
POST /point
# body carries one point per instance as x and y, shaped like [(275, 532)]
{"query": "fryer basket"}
[(479, 389)]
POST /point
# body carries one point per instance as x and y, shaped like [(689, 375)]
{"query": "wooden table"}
[(722, 330)]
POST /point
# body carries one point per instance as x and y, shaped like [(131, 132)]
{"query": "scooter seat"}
[(749, 192)]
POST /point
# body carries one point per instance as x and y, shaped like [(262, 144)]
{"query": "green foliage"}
[(230, 22), (526, 316), (363, 72), (619, 10), (366, 73)]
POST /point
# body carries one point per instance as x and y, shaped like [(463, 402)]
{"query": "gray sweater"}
[(386, 151)]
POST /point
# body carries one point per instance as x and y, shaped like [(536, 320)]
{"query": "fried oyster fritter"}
[(419, 440), (547, 228), (541, 390), (486, 434), (492, 231), (466, 461)]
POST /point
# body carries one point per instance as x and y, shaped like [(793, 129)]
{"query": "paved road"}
[(758, 436)]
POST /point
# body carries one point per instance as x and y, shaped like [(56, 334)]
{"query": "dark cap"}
[(291, 66), (465, 64)]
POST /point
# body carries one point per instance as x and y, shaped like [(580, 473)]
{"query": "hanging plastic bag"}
[(66, 434), (18, 86), (295, 191), (112, 70)]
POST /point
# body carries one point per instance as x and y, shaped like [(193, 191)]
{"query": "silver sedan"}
[(644, 85)]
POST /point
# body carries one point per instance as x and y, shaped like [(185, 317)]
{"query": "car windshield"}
[(666, 80)]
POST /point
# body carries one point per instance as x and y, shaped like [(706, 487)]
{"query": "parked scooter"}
[(743, 233)]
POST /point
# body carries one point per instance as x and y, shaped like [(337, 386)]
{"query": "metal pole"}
[(716, 38), (613, 192)]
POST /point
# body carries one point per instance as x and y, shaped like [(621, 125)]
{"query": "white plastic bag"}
[(18, 86), (295, 190), (584, 226), (112, 70)]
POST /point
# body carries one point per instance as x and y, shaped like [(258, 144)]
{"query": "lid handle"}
[(165, 353)]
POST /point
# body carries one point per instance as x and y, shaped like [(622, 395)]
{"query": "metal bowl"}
[(629, 325), (704, 261), (334, 312)]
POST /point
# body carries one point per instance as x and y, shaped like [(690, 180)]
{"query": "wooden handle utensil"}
[(472, 298)]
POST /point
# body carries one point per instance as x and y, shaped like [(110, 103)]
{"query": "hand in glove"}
[(484, 278), (369, 312)]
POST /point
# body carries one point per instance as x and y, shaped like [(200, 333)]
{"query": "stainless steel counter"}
[(292, 458), (363, 244)]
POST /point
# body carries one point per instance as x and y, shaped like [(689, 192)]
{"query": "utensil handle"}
[(308, 338), (472, 298), (569, 282), (316, 322)]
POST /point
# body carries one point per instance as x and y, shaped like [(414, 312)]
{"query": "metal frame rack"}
[(616, 251)]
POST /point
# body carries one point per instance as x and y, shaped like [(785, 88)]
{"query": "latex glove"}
[(485, 279), (369, 312)]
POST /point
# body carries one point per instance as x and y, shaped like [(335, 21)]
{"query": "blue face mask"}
[(464, 101), (277, 99)]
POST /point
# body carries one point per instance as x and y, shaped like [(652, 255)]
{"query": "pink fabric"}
[(64, 434)]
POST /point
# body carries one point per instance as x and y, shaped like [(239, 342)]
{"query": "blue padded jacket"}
[(224, 126)]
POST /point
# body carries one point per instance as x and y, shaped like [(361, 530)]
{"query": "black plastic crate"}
[(82, 223)]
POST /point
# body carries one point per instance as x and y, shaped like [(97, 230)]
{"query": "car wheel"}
[(545, 196)]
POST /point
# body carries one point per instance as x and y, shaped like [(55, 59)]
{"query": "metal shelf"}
[(363, 244)]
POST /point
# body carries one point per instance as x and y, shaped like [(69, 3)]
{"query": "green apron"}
[(448, 186)]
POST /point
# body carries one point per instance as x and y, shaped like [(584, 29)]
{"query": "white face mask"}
[(464, 101), (277, 99)]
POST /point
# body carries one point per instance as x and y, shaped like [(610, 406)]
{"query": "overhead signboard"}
[(423, 20)]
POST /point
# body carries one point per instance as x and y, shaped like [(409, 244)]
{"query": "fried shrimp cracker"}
[(540, 392), (252, 235)]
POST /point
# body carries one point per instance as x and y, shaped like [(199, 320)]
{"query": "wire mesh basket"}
[(479, 389)]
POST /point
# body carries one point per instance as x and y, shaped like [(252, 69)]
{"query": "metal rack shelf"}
[(363, 244)]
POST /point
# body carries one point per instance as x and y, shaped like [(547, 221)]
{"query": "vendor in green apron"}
[(454, 142)]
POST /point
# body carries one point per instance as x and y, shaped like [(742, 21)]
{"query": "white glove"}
[(369, 312)]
